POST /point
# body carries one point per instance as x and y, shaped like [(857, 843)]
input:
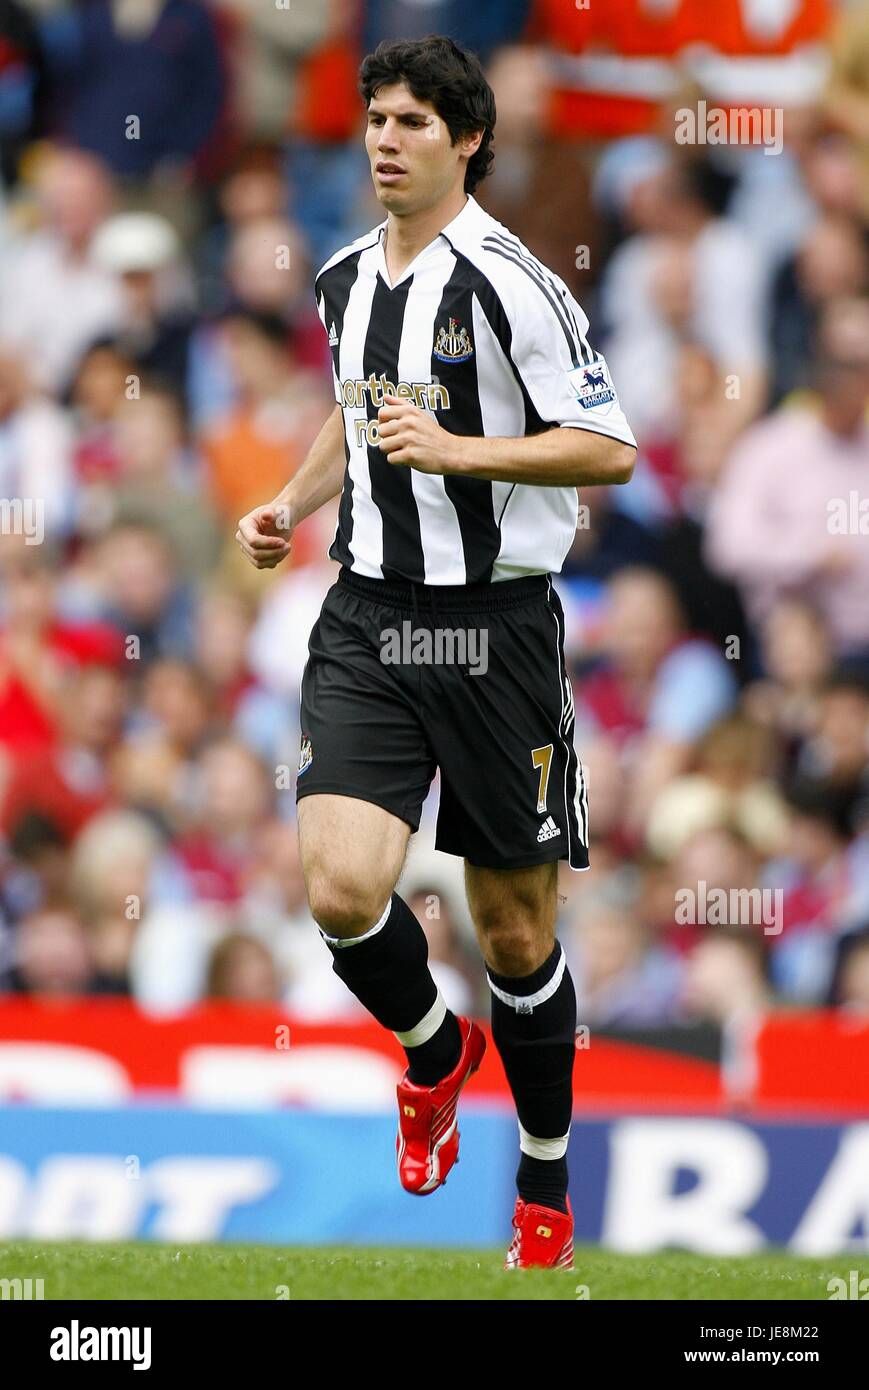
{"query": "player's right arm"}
[(265, 534)]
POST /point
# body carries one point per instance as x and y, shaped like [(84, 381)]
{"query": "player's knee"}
[(343, 907), (514, 947)]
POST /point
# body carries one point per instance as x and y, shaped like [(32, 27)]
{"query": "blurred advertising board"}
[(242, 1124)]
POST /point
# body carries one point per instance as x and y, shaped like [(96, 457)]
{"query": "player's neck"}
[(406, 236)]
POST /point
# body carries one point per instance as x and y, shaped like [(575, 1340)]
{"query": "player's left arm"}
[(559, 457), (580, 435)]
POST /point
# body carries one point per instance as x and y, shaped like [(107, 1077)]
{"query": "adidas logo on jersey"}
[(547, 831), (333, 335)]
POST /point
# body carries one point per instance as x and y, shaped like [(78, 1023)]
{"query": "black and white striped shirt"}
[(484, 336)]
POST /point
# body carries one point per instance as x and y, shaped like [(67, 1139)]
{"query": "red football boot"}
[(427, 1144), (542, 1239)]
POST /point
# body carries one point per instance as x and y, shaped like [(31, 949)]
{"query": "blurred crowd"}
[(174, 172)]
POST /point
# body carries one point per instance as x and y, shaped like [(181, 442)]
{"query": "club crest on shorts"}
[(453, 344), (591, 385), (306, 754)]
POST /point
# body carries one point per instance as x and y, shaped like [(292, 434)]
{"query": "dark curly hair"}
[(451, 77)]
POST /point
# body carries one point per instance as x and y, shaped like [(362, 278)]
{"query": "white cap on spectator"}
[(625, 164), (135, 241)]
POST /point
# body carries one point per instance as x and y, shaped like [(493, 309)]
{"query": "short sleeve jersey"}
[(478, 332)]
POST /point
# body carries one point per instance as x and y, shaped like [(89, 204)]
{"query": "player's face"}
[(413, 163)]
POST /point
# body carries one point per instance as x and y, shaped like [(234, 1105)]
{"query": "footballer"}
[(470, 407)]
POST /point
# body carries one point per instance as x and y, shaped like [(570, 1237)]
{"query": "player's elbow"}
[(619, 461)]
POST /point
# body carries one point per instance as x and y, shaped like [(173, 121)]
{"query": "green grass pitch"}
[(75, 1270)]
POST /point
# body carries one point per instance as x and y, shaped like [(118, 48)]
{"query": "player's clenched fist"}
[(265, 535), (413, 438)]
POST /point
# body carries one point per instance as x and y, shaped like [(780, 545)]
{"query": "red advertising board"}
[(224, 1054)]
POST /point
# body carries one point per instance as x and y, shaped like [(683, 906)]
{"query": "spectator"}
[(327, 169), (779, 540), (847, 97), (242, 969), (68, 778), (253, 191), (254, 452), (104, 377), (267, 277), (51, 956), (714, 864), (140, 592), (270, 44), (155, 482), (39, 649), (21, 82), (837, 752), (142, 251), (233, 804), (539, 184), (156, 766), (111, 865), (732, 785), (657, 690), (38, 874), (257, 714), (159, 61), (852, 985), (825, 888), (623, 977), (832, 262), (727, 981), (485, 27), (797, 659), (35, 451), (719, 309), (54, 298)]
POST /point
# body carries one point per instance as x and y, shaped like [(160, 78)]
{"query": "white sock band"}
[(527, 1003), (427, 1027), (542, 1148), (340, 941)]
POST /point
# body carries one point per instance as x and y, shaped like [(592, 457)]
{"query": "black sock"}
[(543, 1180), (388, 972), (534, 1030), (431, 1061)]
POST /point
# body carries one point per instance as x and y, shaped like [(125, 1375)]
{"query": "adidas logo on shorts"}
[(547, 831)]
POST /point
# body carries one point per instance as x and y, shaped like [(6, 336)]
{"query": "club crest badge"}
[(306, 755), (453, 344)]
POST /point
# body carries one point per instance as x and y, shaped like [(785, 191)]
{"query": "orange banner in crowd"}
[(615, 62)]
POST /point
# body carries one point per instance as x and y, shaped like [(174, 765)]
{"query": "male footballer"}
[(470, 407)]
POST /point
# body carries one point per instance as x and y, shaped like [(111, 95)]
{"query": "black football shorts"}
[(404, 679)]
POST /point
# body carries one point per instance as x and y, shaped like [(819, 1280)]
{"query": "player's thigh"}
[(352, 853), (514, 914), (512, 788), (361, 733)]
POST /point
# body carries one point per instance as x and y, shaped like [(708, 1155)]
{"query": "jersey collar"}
[(464, 219)]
